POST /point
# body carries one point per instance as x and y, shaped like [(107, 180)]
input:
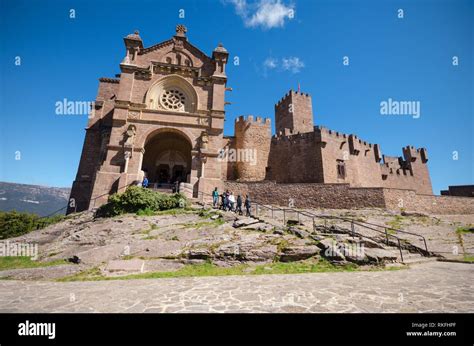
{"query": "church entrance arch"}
[(167, 159)]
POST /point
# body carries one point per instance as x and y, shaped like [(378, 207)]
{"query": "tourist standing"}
[(247, 205), (215, 197), (238, 209), (222, 201), (231, 201), (145, 182), (226, 200)]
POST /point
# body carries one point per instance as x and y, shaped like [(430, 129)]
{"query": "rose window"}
[(173, 99)]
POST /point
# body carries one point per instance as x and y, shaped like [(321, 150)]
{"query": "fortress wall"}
[(359, 158), (410, 201), (252, 141), (310, 195), (342, 196), (414, 176), (295, 159)]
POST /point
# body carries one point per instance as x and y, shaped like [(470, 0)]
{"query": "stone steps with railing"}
[(379, 244)]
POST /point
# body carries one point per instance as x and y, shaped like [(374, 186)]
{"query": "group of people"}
[(230, 203)]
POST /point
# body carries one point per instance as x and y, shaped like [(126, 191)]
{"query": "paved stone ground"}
[(430, 287)]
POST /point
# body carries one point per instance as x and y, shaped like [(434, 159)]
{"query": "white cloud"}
[(240, 7), (265, 13), (293, 64), (270, 63)]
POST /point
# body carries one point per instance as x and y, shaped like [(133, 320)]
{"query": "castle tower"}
[(295, 113), (252, 145)]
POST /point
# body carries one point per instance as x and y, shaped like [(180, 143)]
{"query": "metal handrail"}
[(385, 228), (312, 215), (363, 224)]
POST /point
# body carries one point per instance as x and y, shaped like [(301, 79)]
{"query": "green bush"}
[(14, 224), (137, 199)]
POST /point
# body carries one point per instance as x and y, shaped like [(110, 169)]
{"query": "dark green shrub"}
[(137, 199), (14, 224)]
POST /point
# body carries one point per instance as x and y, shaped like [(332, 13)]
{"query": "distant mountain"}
[(41, 200)]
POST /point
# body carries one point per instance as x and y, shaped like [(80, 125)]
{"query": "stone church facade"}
[(163, 117)]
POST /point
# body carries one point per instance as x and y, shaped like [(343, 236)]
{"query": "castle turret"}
[(295, 113), (252, 144)]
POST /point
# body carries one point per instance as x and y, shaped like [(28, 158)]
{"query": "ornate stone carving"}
[(173, 99), (204, 140), (203, 121), (134, 114), (178, 45), (130, 136)]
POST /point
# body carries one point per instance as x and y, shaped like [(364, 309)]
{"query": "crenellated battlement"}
[(288, 96), (325, 132), (408, 164), (294, 112), (293, 136), (251, 120)]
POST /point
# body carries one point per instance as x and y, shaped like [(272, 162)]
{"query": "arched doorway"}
[(167, 159)]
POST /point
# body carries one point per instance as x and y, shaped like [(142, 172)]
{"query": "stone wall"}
[(310, 195), (396, 199), (414, 174), (295, 159), (358, 157), (342, 196)]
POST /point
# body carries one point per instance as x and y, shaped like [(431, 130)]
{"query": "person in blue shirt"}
[(215, 197), (145, 182)]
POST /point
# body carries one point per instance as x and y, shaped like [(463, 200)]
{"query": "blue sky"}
[(405, 59)]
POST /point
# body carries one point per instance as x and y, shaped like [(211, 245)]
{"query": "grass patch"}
[(282, 244), (464, 230), (146, 232), (177, 211), (91, 274), (207, 213), (146, 212), (468, 258), (209, 269), (396, 222), (459, 232), (213, 223), (19, 262)]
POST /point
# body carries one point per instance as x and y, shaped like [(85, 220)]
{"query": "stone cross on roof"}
[(181, 30)]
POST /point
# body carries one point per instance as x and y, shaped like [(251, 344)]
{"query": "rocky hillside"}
[(172, 240), (41, 200)]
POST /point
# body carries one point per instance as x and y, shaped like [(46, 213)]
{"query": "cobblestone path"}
[(430, 287)]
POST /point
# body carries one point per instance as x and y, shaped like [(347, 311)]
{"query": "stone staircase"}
[(375, 246)]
